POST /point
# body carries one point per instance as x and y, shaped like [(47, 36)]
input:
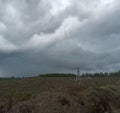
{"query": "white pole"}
[(77, 77)]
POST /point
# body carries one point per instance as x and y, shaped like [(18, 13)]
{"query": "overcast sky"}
[(47, 36)]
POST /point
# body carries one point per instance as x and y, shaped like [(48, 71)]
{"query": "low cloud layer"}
[(42, 36)]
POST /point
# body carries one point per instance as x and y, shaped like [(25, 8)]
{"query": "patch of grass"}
[(63, 101), (20, 96), (23, 96), (26, 108)]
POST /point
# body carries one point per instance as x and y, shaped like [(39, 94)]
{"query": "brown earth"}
[(60, 95)]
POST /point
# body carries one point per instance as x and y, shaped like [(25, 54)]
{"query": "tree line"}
[(102, 74), (97, 74), (57, 75)]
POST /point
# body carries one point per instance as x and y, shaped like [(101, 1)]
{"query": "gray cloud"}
[(42, 36)]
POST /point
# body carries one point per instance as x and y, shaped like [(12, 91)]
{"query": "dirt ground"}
[(60, 95)]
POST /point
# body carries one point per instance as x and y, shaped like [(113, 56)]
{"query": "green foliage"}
[(20, 96), (57, 75), (102, 74)]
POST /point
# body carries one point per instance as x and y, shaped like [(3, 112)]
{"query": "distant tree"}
[(106, 74), (12, 77)]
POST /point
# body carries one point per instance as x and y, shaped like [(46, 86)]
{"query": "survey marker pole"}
[(77, 82)]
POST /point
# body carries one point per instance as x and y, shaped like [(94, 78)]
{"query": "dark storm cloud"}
[(42, 36)]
